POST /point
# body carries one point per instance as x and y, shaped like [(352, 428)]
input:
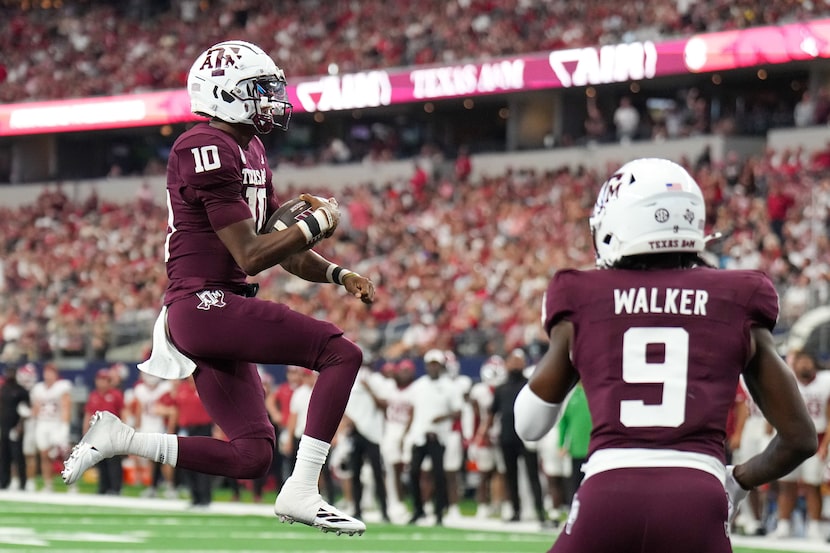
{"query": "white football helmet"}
[(26, 376), (451, 364), (492, 371), (237, 82), (649, 205)]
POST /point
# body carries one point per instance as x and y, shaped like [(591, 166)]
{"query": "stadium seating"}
[(76, 49), (520, 225)]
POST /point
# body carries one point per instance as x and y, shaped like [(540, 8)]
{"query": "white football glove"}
[(735, 493), (323, 220), (332, 210)]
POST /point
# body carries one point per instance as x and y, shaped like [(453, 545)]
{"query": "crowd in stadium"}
[(460, 267), (79, 48)]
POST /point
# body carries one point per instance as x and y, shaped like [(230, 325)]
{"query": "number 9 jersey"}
[(659, 352)]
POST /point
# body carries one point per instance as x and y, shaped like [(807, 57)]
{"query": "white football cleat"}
[(107, 436), (292, 506), (453, 513)]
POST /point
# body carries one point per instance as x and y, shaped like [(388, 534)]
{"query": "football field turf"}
[(63, 523)]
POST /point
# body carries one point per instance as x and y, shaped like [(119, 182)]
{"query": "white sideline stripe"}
[(135, 503), (266, 510), (339, 550), (792, 545), (182, 506)]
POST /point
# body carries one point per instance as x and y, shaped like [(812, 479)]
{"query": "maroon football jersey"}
[(660, 352), (212, 182)]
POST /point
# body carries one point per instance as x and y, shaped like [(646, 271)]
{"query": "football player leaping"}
[(220, 195)]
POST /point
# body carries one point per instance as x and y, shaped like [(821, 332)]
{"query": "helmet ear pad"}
[(649, 205)]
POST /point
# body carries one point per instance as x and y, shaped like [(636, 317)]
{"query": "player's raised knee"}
[(253, 459), (353, 355), (341, 351)]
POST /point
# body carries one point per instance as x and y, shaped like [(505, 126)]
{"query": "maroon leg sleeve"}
[(338, 365), (242, 458)]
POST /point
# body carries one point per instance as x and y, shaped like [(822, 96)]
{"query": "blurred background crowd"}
[(461, 265), (84, 48)]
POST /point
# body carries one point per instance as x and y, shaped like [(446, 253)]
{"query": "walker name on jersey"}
[(676, 301)]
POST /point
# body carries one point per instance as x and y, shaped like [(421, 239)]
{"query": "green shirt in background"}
[(575, 425)]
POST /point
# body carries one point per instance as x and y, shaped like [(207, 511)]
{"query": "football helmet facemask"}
[(648, 205), (237, 82)]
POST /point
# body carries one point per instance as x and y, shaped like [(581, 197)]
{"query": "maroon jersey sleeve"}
[(762, 306), (557, 301), (211, 166)]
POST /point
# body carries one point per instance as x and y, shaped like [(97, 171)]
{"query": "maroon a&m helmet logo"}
[(220, 58)]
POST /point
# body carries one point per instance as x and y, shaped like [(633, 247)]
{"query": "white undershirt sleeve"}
[(533, 416)]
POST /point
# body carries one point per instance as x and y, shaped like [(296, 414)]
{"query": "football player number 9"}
[(671, 373)]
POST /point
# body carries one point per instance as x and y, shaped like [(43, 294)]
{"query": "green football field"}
[(57, 523)]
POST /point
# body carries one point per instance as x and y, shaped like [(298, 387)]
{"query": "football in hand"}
[(289, 213)]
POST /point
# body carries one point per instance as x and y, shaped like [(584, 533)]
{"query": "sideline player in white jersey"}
[(557, 467), (395, 455), (483, 452), (755, 437), (814, 385), (366, 410), (51, 412), (454, 448), (150, 416), (436, 404), (26, 376)]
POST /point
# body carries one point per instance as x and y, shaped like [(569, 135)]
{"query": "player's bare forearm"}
[(778, 459), (483, 429), (308, 265), (313, 267), (772, 385), (256, 252)]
